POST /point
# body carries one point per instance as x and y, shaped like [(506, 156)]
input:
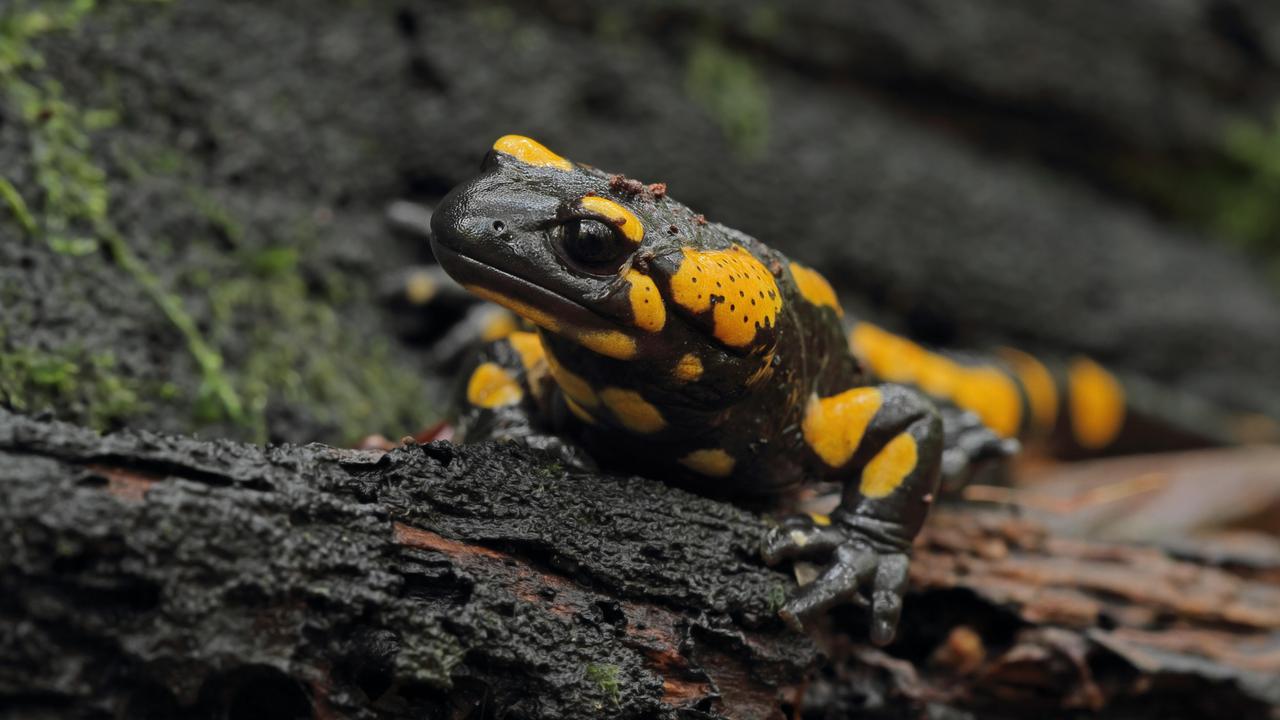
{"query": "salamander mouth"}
[(543, 307)]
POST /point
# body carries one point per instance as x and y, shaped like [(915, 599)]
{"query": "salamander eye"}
[(592, 246)]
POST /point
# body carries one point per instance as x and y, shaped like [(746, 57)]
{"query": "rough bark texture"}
[(157, 576)]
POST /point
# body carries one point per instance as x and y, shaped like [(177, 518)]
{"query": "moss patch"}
[(605, 677), (36, 381), (272, 344), (730, 88)]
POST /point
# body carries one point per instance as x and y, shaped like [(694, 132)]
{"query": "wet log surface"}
[(150, 575)]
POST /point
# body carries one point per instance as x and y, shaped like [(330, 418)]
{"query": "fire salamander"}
[(688, 351)]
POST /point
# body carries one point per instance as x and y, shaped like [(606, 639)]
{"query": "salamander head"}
[(607, 263)]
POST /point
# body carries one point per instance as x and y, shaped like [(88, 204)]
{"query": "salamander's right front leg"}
[(888, 440)]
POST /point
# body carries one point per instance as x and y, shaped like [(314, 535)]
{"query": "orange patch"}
[(834, 426), (574, 387), (633, 411), (609, 343), (738, 288), (983, 390), (538, 317), (618, 216), (1096, 401), (531, 152), (1042, 391), (889, 467), (492, 386), (689, 368), (713, 462), (648, 311), (815, 288)]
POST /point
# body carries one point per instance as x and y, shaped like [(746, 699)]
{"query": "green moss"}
[(1249, 208), (294, 348), (71, 381), (17, 206), (207, 206), (271, 336), (72, 215), (731, 90), (605, 677), (777, 598), (1235, 197)]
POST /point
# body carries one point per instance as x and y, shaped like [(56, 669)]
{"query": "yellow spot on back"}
[(820, 520), (992, 396), (815, 288), (1042, 391), (491, 386), (689, 368), (983, 390), (623, 219), (712, 462), (609, 342), (530, 151), (499, 326), (574, 387), (834, 426), (541, 318), (634, 412), (745, 294), (1096, 401), (889, 467), (648, 310), (579, 411)]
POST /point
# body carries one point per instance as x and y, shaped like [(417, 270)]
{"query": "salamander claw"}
[(859, 573), (800, 537)]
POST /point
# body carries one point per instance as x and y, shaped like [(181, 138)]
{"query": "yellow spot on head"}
[(815, 288), (834, 426), (820, 520), (889, 467), (1042, 391), (648, 310), (623, 219), (574, 387), (713, 462), (1096, 401), (541, 318), (491, 386), (634, 412), (610, 343), (531, 152), (741, 289), (689, 368)]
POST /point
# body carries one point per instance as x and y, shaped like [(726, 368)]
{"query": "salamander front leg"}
[(888, 439)]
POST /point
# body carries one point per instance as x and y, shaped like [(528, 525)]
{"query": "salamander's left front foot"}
[(865, 567)]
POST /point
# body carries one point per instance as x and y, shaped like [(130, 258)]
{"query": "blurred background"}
[(194, 193)]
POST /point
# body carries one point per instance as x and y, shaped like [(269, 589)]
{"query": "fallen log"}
[(160, 576)]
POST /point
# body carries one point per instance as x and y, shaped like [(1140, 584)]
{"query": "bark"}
[(148, 575)]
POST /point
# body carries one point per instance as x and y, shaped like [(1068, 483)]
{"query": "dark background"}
[(192, 210)]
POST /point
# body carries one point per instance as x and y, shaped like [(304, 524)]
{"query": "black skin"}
[(521, 230)]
